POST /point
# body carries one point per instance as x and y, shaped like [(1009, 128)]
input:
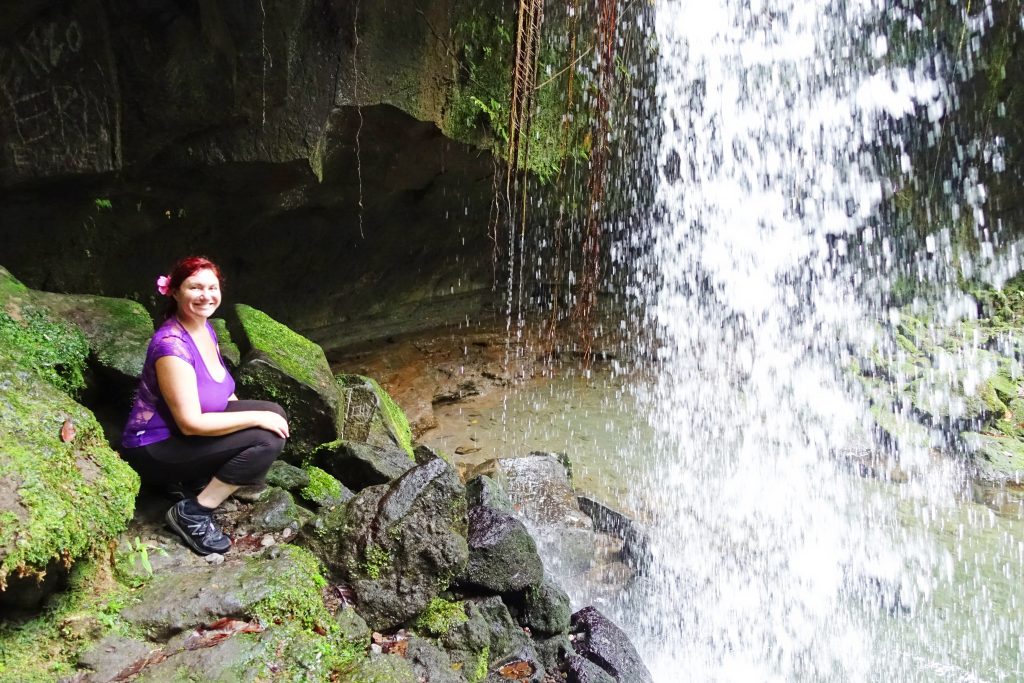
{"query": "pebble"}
[(214, 558), (376, 649), (287, 532), (267, 541)]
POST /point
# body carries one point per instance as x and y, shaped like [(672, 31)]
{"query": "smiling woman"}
[(186, 426)]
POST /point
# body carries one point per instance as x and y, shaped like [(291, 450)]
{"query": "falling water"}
[(772, 562)]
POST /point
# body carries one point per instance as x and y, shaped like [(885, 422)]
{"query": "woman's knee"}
[(235, 406)]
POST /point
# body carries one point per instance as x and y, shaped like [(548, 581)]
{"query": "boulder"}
[(63, 492), (604, 644), (229, 350), (325, 536), (636, 550), (112, 655), (510, 650), (483, 490), (403, 543), (539, 489), (371, 416), (117, 331), (286, 476), (546, 609), (554, 652), (323, 489), (284, 582), (582, 670), (358, 465), (380, 668), (275, 511), (282, 366), (431, 663), (502, 554)]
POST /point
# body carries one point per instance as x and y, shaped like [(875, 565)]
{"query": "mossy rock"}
[(371, 416), (323, 489), (59, 499), (359, 465), (382, 669), (117, 331), (229, 350), (998, 457), (282, 366), (287, 349)]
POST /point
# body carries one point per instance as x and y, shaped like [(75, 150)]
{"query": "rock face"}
[(403, 543)]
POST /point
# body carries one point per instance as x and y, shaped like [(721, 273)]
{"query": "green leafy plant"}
[(139, 554), (103, 203)]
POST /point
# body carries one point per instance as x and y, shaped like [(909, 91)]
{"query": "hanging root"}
[(584, 312)]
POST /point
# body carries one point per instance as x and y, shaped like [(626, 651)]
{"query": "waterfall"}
[(771, 561)]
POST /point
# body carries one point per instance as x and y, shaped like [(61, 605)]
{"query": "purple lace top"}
[(150, 419)]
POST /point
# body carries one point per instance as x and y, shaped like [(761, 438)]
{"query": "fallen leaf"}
[(516, 671), (67, 431)]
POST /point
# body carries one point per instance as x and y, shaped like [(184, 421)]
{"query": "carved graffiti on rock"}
[(56, 108)]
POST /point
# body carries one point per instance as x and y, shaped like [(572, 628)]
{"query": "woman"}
[(186, 422)]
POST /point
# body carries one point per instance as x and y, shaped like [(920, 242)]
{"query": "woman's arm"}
[(177, 380)]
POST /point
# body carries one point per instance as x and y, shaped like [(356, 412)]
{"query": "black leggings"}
[(240, 458)]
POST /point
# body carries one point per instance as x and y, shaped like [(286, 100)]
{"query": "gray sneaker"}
[(197, 530)]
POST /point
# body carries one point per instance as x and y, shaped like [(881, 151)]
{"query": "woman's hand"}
[(273, 422)]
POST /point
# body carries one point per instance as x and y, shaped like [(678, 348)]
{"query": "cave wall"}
[(308, 146)]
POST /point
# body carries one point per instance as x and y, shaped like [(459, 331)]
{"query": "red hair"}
[(181, 271)]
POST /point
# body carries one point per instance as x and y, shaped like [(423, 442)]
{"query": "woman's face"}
[(199, 295)]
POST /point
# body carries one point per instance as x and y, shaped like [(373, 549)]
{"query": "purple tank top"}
[(150, 419)]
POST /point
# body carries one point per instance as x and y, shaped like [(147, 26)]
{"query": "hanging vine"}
[(586, 300)]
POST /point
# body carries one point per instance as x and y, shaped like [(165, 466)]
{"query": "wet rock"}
[(178, 600), (276, 511), (325, 537), (636, 550), (219, 664), (112, 655), (554, 652), (358, 465), (483, 490), (502, 554), (382, 668), (287, 477), (352, 627), (402, 543), (581, 670), (522, 666), (423, 454), (546, 609), (468, 643), (282, 366), (370, 416), (431, 663), (506, 639), (323, 490), (603, 643), (538, 486)]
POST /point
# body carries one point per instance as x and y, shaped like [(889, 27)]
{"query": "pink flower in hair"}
[(163, 285)]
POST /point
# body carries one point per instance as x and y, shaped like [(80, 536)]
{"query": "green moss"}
[(478, 106), (295, 594), (394, 418), (72, 497), (440, 616), (55, 349), (377, 560), (322, 486), (479, 672), (228, 349), (45, 648), (290, 351)]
